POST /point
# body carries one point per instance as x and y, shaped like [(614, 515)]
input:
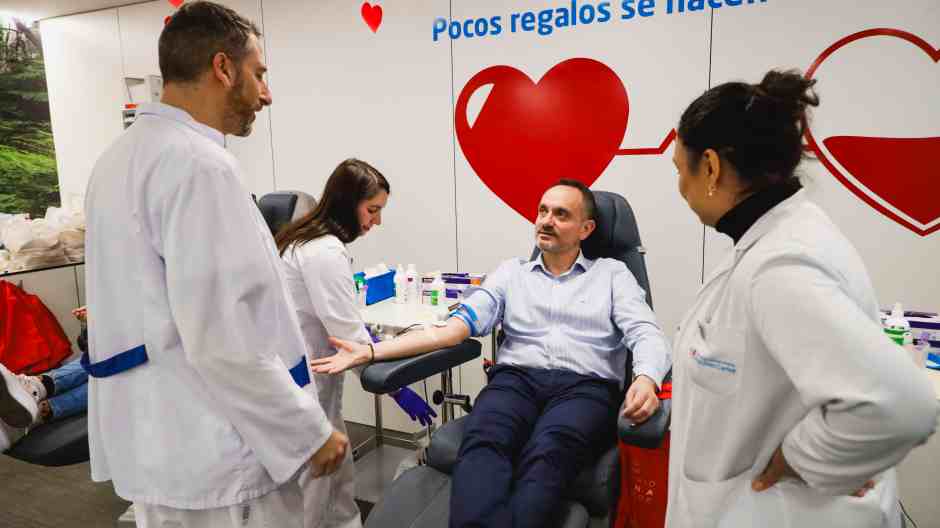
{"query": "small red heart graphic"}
[(372, 15), (528, 136), (176, 3), (900, 172)]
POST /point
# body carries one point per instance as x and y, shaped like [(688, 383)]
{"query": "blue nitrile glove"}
[(414, 405)]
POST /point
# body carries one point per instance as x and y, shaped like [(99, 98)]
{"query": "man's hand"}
[(330, 456), (641, 401), (348, 355), (778, 469)]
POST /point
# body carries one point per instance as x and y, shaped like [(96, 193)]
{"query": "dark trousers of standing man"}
[(530, 433)]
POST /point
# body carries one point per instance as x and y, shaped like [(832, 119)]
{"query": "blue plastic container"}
[(380, 287)]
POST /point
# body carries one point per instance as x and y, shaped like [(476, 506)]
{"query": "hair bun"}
[(791, 89)]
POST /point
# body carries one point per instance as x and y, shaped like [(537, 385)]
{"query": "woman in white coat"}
[(320, 279), (790, 405)]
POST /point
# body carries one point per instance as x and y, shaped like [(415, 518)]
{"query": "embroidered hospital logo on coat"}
[(724, 366)]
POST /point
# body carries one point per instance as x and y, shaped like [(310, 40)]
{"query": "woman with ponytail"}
[(790, 405)]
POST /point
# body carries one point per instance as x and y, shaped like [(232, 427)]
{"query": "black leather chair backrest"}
[(616, 236), (282, 207)]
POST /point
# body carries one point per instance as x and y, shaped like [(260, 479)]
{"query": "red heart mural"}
[(372, 15), (529, 135), (889, 174), (176, 3)]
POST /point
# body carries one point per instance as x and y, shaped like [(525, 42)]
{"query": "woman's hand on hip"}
[(778, 469)]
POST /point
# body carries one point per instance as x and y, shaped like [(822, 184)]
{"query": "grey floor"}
[(40, 497)]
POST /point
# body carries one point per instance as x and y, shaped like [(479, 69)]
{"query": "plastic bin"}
[(380, 287)]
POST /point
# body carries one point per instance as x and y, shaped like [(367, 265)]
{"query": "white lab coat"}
[(180, 260), (784, 346), (320, 279)]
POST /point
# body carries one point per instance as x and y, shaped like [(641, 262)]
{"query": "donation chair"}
[(283, 207), (60, 443), (420, 498)]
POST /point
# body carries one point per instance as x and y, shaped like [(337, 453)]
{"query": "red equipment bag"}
[(31, 339), (644, 481)]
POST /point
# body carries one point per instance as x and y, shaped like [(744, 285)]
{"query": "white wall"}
[(84, 76), (383, 98), (873, 87), (671, 235), (87, 58)]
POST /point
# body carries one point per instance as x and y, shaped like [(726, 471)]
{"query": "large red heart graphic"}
[(176, 3), (372, 15), (529, 135), (890, 174)]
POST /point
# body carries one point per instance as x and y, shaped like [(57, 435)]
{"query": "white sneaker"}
[(17, 406), (33, 386)]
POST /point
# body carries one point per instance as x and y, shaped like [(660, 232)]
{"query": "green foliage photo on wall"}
[(28, 179)]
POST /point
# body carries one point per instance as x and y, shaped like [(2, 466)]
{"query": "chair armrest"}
[(388, 376), (650, 433)]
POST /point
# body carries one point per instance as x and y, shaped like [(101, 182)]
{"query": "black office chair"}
[(60, 443), (283, 207), (421, 496)]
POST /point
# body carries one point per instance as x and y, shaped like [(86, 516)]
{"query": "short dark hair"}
[(587, 197), (352, 182), (758, 128), (195, 33)]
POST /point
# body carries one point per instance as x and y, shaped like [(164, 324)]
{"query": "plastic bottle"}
[(361, 288), (426, 281), (412, 290), (896, 326), (437, 290), (400, 285)]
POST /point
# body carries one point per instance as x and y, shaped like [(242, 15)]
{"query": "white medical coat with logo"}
[(179, 259), (784, 347)]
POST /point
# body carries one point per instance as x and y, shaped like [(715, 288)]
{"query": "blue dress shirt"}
[(584, 320)]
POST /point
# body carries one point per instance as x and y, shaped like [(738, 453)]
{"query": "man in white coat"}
[(192, 414)]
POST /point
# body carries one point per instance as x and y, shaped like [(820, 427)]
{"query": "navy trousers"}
[(530, 433)]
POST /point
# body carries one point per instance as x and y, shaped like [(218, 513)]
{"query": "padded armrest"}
[(388, 376), (60, 443), (650, 433)]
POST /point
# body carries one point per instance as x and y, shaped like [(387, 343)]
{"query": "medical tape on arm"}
[(468, 315)]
